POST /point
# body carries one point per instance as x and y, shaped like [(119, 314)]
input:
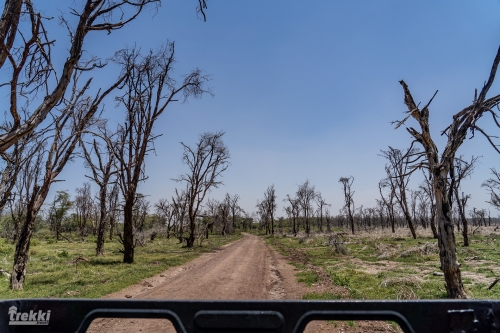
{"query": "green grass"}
[(52, 272), (308, 277), (386, 267)]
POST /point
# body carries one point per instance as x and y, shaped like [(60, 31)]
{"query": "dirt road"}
[(245, 269)]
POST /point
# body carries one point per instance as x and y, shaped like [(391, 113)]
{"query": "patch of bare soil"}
[(245, 269)]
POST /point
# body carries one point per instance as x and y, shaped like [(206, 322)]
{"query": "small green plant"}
[(340, 279), (63, 254), (351, 323)]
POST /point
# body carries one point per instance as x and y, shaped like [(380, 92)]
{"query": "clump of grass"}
[(424, 250), (340, 279), (387, 250), (308, 277), (408, 280)]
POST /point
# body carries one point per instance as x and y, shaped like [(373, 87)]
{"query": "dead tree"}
[(321, 205), (149, 89), (398, 171), (113, 203), (102, 164), (388, 203), (165, 210), (179, 205), (29, 55), (213, 213), (440, 166), (83, 207), (206, 162), (427, 186), (305, 195), (140, 212), (328, 218), (235, 209), (460, 170), (224, 210), (269, 206), (348, 198), (293, 212)]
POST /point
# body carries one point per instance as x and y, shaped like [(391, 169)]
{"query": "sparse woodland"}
[(56, 117)]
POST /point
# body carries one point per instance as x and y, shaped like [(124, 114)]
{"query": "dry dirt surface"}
[(245, 269)]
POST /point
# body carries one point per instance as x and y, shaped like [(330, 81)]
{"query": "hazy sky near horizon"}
[(306, 90)]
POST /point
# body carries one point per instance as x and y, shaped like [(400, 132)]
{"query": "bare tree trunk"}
[(461, 211), (446, 239), (192, 229), (433, 223), (102, 223), (128, 231), (23, 244)]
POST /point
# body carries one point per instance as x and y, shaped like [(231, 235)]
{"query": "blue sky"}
[(307, 89)]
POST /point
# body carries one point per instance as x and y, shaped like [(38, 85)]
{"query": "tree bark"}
[(102, 222), (446, 239), (463, 218), (128, 231)]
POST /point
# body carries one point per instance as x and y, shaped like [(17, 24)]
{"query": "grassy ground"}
[(380, 265), (53, 273)]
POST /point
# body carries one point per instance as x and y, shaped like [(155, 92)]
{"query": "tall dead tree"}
[(223, 212), (427, 186), (148, 90), (165, 210), (305, 195), (179, 206), (235, 209), (269, 206), (102, 163), (113, 207), (293, 212), (460, 170), (83, 207), (206, 162), (348, 198), (213, 214), (440, 166), (398, 172), (388, 203), (321, 205)]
